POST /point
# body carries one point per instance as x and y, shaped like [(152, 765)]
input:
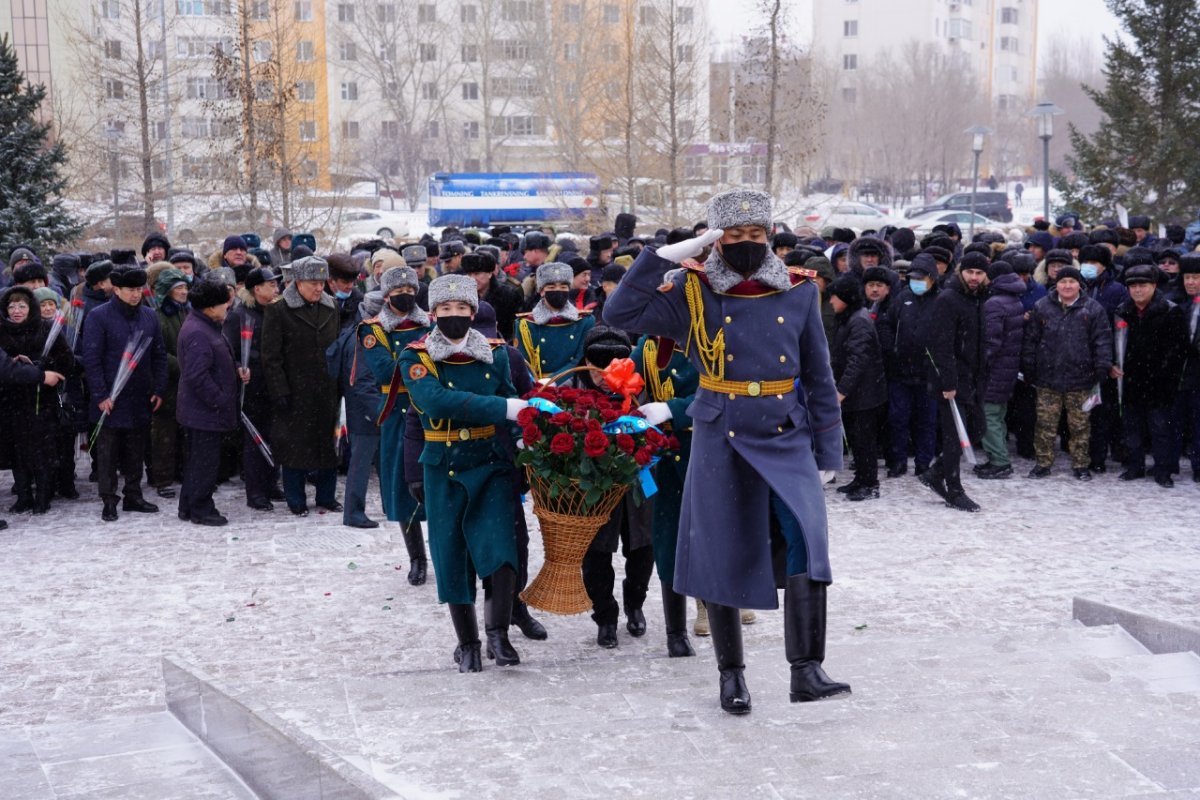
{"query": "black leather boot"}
[(414, 542), (804, 640), (634, 597), (530, 627), (466, 655), (726, 625), (675, 617), (497, 616), (109, 513)]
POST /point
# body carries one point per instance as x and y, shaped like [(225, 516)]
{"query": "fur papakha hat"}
[(740, 207), (554, 272), (396, 277), (452, 287)]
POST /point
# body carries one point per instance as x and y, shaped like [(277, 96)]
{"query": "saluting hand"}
[(689, 248)]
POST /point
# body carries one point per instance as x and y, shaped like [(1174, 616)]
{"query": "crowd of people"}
[(285, 367)]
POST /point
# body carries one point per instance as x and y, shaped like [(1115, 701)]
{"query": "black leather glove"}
[(417, 490)]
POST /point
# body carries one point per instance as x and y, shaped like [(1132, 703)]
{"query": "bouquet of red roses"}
[(582, 452)]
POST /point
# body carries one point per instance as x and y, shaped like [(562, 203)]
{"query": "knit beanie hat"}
[(233, 243)]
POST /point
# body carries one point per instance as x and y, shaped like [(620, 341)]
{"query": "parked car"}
[(369, 223), (925, 223), (993, 205), (220, 223), (847, 214)]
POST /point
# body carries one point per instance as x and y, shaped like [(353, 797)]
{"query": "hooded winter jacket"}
[(1004, 323)]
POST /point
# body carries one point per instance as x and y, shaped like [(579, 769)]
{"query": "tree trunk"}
[(249, 137), (144, 120), (773, 92)]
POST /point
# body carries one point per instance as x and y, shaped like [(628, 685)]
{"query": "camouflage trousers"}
[(1050, 405)]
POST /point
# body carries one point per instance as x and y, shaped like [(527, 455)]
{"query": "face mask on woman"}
[(918, 286)]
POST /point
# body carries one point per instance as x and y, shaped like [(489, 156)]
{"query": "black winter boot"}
[(934, 478), (414, 542), (466, 628), (804, 640), (530, 627), (634, 598), (957, 498), (497, 616), (726, 625), (675, 616)]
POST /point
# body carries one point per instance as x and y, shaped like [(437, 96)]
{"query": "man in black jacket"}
[(956, 343), (505, 298)]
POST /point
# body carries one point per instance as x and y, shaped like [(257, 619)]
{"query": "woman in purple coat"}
[(753, 329)]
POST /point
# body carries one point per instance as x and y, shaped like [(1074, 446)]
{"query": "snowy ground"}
[(87, 608)]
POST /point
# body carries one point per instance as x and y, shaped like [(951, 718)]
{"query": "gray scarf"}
[(390, 320), (543, 313), (770, 272), (475, 345)]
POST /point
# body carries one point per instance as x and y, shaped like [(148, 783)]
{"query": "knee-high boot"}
[(675, 618), (726, 625), (497, 616), (414, 542), (804, 640), (466, 628)]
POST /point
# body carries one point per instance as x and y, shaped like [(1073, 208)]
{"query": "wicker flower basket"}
[(567, 531)]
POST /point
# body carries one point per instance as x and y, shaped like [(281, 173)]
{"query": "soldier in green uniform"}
[(671, 384), (382, 340), (551, 335), (459, 384)]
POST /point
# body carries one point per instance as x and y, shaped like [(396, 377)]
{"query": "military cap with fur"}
[(30, 271), (1104, 236), (449, 288), (449, 250), (1139, 221), (1096, 254), (414, 254), (206, 294), (341, 266), (554, 272), (740, 207), (120, 257), (536, 240), (127, 277), (1059, 256), (98, 271), (602, 344), (258, 277), (1189, 264), (396, 277), (310, 268), (1141, 273)]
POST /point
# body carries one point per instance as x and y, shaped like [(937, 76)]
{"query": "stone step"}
[(121, 758)]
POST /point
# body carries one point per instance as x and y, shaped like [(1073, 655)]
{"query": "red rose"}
[(608, 415), (569, 395), (625, 443), (593, 425), (526, 416), (672, 443), (603, 402), (595, 444), (560, 419), (578, 426), (531, 435), (585, 402), (654, 438), (548, 392), (562, 444), (643, 456)]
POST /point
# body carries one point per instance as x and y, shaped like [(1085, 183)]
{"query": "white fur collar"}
[(723, 277), (475, 345), (390, 320), (543, 313)]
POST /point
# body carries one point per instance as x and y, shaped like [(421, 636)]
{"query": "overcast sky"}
[(1090, 19)]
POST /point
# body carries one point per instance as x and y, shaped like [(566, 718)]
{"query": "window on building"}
[(304, 11), (470, 130), (263, 91), (1012, 73), (112, 49), (693, 169), (850, 28), (610, 52), (391, 89), (194, 128), (189, 8), (306, 91), (201, 46), (308, 130), (683, 52), (390, 129), (960, 29), (1007, 102), (1010, 44), (260, 9), (426, 12), (470, 91), (114, 89), (684, 15), (519, 125), (158, 130), (647, 15), (470, 53), (720, 170), (472, 164), (429, 90), (308, 170), (428, 52), (386, 12), (570, 51), (849, 94), (468, 14), (611, 14), (349, 90), (754, 170), (432, 129), (387, 53), (350, 129), (110, 9), (518, 11), (262, 51), (1008, 16), (612, 129), (514, 50), (345, 12), (304, 51), (348, 51), (850, 61), (202, 88), (686, 128), (573, 13)]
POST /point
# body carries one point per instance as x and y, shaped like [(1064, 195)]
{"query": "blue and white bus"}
[(482, 199)]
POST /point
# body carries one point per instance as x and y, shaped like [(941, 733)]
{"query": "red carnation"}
[(595, 444), (562, 444), (578, 426), (625, 443), (560, 419), (643, 456), (531, 435), (526, 416)]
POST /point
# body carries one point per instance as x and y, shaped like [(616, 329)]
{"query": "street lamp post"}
[(1045, 112), (977, 133)]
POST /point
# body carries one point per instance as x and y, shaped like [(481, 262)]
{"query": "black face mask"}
[(744, 257), (403, 303), (454, 328), (556, 298)]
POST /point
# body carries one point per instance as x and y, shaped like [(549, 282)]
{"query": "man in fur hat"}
[(753, 329), (551, 335)]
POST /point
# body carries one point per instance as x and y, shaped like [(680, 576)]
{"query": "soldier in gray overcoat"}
[(753, 329)]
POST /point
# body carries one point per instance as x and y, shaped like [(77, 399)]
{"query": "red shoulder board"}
[(525, 315), (408, 325), (419, 344), (458, 358), (494, 343), (692, 264), (587, 310), (799, 275)]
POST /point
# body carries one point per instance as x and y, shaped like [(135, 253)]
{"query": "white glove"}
[(827, 475), (656, 413), (689, 248), (515, 407)]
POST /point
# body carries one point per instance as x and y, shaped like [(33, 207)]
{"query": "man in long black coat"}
[(956, 343)]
